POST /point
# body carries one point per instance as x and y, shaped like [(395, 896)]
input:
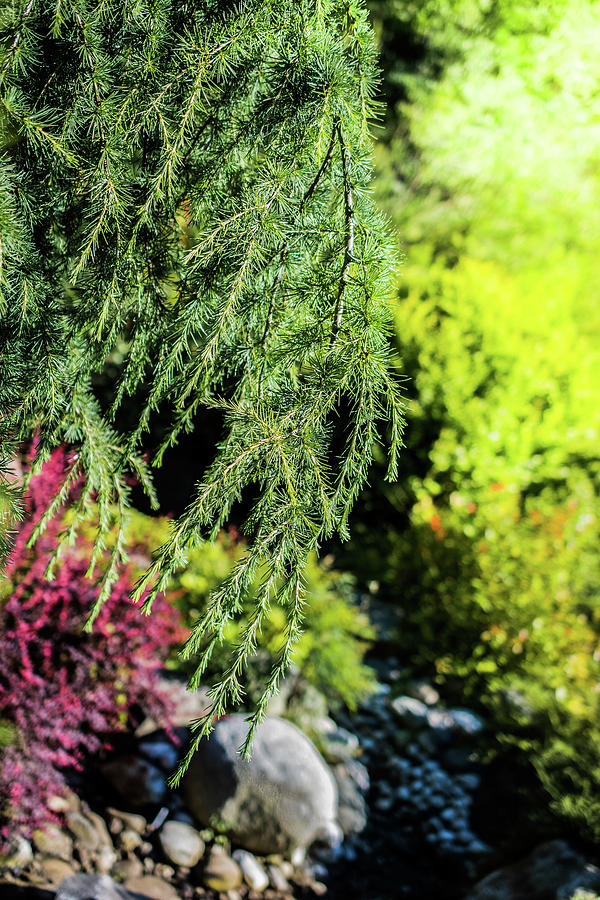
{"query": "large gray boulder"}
[(554, 871), (280, 801), (91, 887), (101, 887)]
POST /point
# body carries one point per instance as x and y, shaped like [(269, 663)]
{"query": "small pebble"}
[(181, 844), (151, 887), (127, 868), (278, 879), (116, 826), (163, 871), (131, 820), (130, 839), (254, 874)]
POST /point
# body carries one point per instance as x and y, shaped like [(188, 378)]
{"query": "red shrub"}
[(61, 690)]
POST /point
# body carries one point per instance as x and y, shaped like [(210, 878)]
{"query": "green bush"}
[(497, 573), (330, 651), (488, 169)]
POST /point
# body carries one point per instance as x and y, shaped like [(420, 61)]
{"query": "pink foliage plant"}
[(63, 691)]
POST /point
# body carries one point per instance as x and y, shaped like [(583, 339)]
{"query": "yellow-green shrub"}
[(498, 573), (331, 648)]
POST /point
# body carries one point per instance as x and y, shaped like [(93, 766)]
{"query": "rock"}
[(116, 826), (324, 725), (477, 847), (181, 844), (167, 873), (466, 722), (137, 780), (254, 874), (91, 887), (423, 691), (127, 868), (339, 745), (52, 841), (131, 820), (55, 871), (278, 880), (148, 886), (286, 867), (352, 809), (470, 781), (441, 726), (359, 774), (410, 711), (221, 872), (84, 831), (62, 803), (130, 839), (160, 753), (104, 838), (18, 854), (317, 870), (307, 706), (280, 800), (104, 855), (451, 722), (105, 859), (554, 871), (186, 706)]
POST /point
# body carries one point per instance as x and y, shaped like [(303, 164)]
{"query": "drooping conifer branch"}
[(349, 246), (182, 193)]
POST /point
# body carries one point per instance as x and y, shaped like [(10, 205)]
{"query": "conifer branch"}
[(286, 247), (15, 43), (349, 247), (182, 198)]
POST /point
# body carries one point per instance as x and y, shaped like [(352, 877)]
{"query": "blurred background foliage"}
[(488, 168)]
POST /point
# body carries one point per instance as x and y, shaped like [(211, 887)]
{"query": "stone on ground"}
[(254, 874), (554, 871), (221, 872), (181, 844), (279, 801), (91, 887)]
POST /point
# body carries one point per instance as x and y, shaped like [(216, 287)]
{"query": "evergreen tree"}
[(187, 182)]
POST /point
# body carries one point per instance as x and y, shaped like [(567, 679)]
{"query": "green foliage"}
[(489, 171), (187, 184), (497, 158), (330, 650), (8, 734), (498, 572)]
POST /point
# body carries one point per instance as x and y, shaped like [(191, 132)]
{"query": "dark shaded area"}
[(9, 891)]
